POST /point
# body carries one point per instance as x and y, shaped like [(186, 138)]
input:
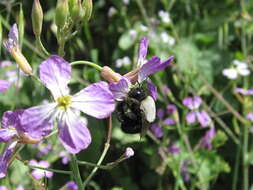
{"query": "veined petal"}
[(55, 73), (73, 133), (13, 38), (203, 118), (95, 100), (38, 121), (4, 85), (152, 66), (152, 89), (143, 49), (192, 102), (120, 89), (11, 119), (7, 134), (5, 158)]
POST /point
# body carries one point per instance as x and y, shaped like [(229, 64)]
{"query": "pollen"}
[(64, 102)]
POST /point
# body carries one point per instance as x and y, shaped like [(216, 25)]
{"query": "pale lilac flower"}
[(184, 171), (4, 85), (157, 130), (244, 91), (171, 108), (164, 16), (95, 100), (71, 185), (20, 187), (169, 121), (174, 149), (193, 103), (3, 187), (112, 11), (165, 89), (129, 152), (39, 173), (160, 113), (143, 28), (65, 157), (206, 141), (239, 68), (126, 2), (249, 116), (133, 34)]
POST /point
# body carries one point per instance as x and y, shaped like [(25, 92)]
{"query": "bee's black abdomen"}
[(131, 127)]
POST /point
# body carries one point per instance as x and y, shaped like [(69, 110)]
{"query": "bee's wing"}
[(149, 109)]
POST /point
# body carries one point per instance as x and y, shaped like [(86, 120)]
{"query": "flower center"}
[(64, 102)]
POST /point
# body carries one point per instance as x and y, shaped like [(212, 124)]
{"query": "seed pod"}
[(21, 26), (87, 6), (1, 34), (37, 18), (77, 12), (61, 13)]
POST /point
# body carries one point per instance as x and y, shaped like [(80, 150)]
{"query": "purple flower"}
[(169, 121), (160, 113), (146, 68), (244, 91), (184, 171), (71, 185), (249, 116), (165, 89), (2, 187), (174, 149), (38, 173), (206, 141), (20, 187), (157, 130), (4, 85), (194, 104), (65, 158), (171, 108), (95, 100), (11, 45), (6, 157)]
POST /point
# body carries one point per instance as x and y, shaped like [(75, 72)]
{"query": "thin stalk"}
[(41, 46), (245, 158), (236, 168), (51, 170), (92, 165), (76, 172), (143, 12), (87, 63), (106, 148)]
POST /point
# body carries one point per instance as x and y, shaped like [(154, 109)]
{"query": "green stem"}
[(236, 168), (92, 165), (245, 158), (87, 63), (76, 172), (143, 12), (41, 46), (51, 170), (106, 148)]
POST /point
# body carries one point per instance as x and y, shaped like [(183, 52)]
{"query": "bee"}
[(137, 111)]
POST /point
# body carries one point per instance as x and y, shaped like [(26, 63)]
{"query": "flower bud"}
[(76, 10), (109, 75), (21, 60), (61, 13), (37, 17), (87, 6), (26, 139)]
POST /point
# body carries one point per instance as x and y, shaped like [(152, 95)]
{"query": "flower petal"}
[(95, 100), (152, 66), (203, 118), (13, 38), (73, 133), (143, 49), (120, 89), (11, 119), (5, 158), (192, 102), (230, 73), (55, 73), (157, 130), (152, 89), (7, 134), (38, 121), (191, 117), (4, 85)]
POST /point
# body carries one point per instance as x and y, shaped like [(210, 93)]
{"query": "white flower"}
[(240, 68), (143, 28), (165, 16), (126, 2), (133, 33), (125, 61), (112, 11), (167, 39)]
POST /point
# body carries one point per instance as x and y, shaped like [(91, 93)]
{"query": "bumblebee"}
[(137, 111)]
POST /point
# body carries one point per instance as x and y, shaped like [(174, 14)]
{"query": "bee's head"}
[(138, 93)]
